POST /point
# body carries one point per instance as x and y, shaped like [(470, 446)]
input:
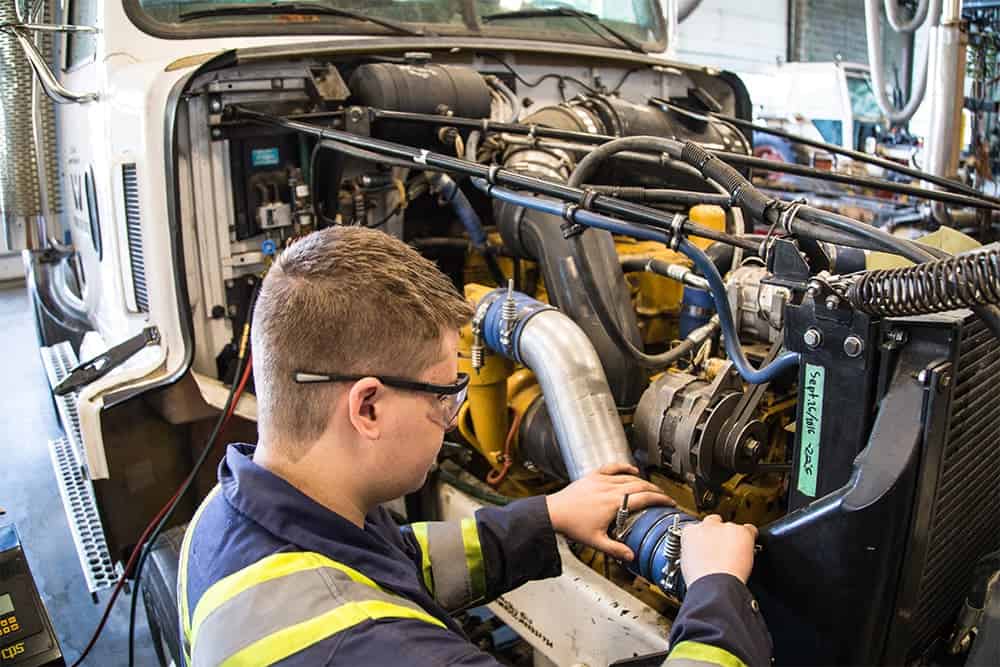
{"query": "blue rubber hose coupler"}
[(493, 324), (647, 538), (697, 308)]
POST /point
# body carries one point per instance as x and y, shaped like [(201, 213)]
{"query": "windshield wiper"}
[(302, 10), (589, 19)]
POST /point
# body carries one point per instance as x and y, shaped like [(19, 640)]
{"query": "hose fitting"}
[(654, 537)]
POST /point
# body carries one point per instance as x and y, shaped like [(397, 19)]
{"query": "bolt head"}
[(750, 449), (215, 105), (813, 338), (853, 346), (832, 302)]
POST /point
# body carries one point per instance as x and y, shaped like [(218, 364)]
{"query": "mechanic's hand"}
[(713, 547), (584, 509)]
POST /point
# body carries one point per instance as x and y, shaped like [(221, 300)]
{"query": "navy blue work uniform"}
[(268, 575)]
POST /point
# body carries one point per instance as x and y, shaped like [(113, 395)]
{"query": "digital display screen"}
[(6, 604)]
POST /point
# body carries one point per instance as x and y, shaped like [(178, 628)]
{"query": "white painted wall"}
[(739, 35)]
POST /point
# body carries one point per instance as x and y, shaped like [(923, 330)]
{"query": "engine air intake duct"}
[(588, 430)]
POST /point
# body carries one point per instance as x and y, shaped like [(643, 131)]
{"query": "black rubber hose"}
[(860, 181), (660, 195), (584, 170), (954, 186), (760, 206), (587, 138)]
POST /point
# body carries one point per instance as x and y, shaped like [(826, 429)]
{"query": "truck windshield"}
[(863, 104), (629, 25)]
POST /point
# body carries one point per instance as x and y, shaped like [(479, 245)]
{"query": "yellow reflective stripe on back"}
[(182, 567), (266, 569), (420, 532), (704, 653), (278, 646), (474, 556)]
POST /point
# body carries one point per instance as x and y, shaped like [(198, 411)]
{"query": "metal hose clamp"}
[(676, 230)]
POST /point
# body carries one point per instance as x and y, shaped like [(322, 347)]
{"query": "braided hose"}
[(963, 281)]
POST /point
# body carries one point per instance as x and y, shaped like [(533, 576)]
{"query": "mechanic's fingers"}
[(638, 486), (641, 501), (749, 526), (618, 469), (712, 518), (613, 548)]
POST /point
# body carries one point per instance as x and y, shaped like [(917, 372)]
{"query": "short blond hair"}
[(344, 300)]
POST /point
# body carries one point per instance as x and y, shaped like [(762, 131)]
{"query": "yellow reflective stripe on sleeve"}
[(182, 566), (474, 557), (271, 567), (278, 646), (703, 653), (420, 532)]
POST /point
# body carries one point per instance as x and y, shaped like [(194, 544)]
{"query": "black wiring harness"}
[(795, 219)]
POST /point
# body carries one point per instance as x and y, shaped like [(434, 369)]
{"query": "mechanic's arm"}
[(719, 622), (477, 559)]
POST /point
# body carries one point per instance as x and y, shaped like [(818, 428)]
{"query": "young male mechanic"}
[(292, 560)]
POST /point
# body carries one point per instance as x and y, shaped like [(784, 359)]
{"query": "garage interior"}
[(748, 156)]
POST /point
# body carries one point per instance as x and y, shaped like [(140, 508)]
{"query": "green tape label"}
[(811, 427)]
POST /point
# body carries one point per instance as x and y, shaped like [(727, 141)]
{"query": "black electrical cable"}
[(954, 186), (661, 195), (388, 216), (625, 76), (431, 161), (977, 201), (362, 154), (584, 170), (539, 80), (858, 181), (192, 476), (712, 168), (793, 215)]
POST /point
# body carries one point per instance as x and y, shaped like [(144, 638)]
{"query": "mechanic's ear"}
[(364, 407)]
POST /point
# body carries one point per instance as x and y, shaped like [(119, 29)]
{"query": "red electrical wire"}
[(239, 389), (152, 524)]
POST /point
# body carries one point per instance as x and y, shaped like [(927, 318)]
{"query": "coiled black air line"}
[(962, 281)]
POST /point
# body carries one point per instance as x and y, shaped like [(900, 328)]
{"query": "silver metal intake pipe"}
[(587, 427)]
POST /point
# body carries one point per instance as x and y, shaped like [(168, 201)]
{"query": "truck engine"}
[(637, 300)]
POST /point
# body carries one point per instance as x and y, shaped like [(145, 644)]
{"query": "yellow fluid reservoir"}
[(707, 215)]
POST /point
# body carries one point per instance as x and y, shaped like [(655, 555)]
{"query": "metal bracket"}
[(103, 364)]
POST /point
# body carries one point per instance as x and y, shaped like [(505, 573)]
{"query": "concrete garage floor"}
[(30, 496)]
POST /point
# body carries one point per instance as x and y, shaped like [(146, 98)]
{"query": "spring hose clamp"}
[(478, 351), (672, 552), (508, 317)]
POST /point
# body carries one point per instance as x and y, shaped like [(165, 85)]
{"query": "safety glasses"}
[(450, 396)]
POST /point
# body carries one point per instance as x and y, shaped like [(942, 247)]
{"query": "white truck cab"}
[(170, 216)]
